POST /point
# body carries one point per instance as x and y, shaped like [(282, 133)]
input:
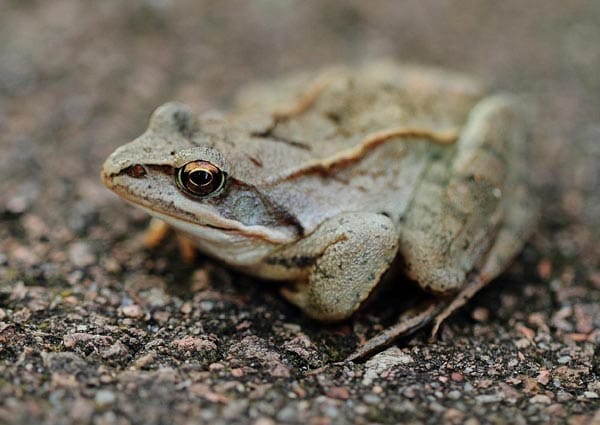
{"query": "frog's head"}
[(182, 175)]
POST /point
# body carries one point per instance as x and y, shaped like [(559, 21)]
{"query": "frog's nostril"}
[(136, 171)]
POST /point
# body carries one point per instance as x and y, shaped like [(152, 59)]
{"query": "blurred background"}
[(78, 78)]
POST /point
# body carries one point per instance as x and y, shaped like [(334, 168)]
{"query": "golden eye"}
[(200, 178)]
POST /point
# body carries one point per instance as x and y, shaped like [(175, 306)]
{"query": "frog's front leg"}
[(158, 230), (344, 260)]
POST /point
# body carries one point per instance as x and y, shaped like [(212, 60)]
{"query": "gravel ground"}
[(96, 329)]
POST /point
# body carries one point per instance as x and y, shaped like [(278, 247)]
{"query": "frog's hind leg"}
[(482, 215), (518, 225), (410, 321)]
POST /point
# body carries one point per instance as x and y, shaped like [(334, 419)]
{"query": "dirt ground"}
[(94, 328)]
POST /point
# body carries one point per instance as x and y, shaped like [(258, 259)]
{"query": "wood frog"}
[(324, 180)]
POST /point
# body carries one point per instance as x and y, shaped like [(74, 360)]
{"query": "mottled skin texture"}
[(332, 176)]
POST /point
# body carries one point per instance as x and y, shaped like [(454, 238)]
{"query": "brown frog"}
[(324, 180)]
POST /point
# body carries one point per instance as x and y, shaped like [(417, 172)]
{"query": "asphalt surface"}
[(94, 328)]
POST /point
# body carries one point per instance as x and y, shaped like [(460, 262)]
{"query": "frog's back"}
[(344, 105), (325, 118)]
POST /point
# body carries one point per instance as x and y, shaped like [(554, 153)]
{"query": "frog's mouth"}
[(194, 218)]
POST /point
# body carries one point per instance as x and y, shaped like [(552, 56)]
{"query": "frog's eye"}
[(200, 178)]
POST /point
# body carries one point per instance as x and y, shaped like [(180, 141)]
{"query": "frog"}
[(327, 180)]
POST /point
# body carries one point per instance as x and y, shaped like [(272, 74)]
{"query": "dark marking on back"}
[(268, 134), (255, 161)]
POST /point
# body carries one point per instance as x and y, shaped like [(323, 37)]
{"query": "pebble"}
[(454, 395), (16, 205), (540, 399), (191, 344), (287, 415), (145, 360), (81, 254), (480, 314), (383, 361), (489, 398), (264, 421), (339, 393), (116, 351), (134, 311), (21, 316), (590, 394), (371, 398), (563, 396), (564, 359), (105, 398)]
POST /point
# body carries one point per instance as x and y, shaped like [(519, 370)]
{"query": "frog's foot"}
[(187, 249), (158, 230), (436, 311), (410, 321), (468, 292), (348, 255)]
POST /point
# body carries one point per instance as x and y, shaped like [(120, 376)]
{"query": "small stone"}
[(563, 396), (454, 395), (190, 344), (186, 308), (116, 351), (204, 391), (339, 393), (264, 421), (383, 361), (76, 338), (480, 314), (543, 377), (215, 367), (25, 255), (81, 410), (238, 372), (133, 311), (18, 204), (21, 316), (287, 415), (456, 377), (485, 383), (540, 399), (564, 359), (556, 409), (371, 398), (544, 268), (105, 398), (161, 316), (145, 360), (377, 389), (590, 394), (255, 348), (81, 254), (453, 416), (489, 398)]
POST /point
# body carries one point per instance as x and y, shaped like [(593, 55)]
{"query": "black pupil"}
[(201, 177)]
